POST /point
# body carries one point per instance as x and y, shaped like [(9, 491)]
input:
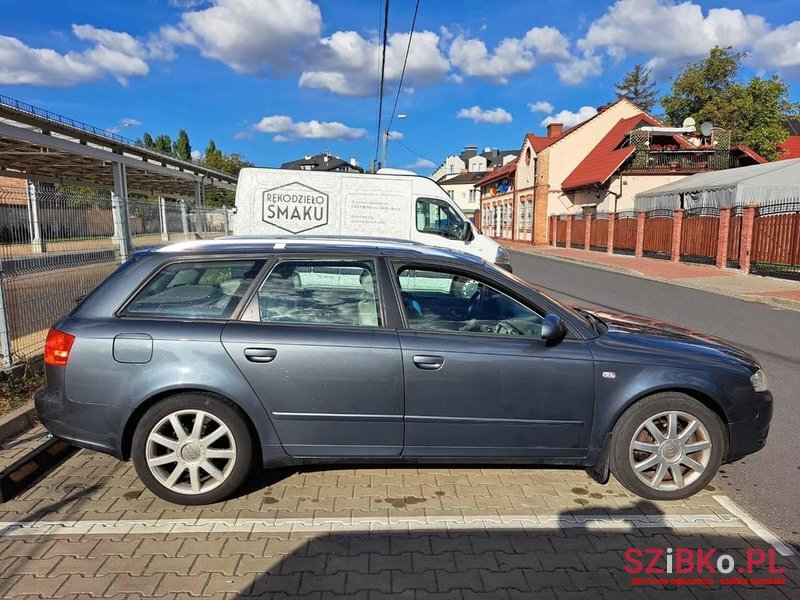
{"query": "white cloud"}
[(347, 64), (398, 135), (668, 31), (577, 70), (286, 129), (496, 116), (113, 52), (569, 118), (128, 122), (250, 36), (512, 56), (780, 48), (541, 106), (421, 163)]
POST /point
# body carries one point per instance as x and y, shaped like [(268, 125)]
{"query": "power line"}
[(414, 152), (383, 74), (405, 62)]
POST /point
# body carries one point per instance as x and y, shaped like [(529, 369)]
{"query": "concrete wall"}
[(461, 195)]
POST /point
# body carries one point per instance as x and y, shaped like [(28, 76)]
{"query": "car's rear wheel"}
[(667, 447), (192, 449)]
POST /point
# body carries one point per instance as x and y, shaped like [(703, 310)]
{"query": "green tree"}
[(214, 158), (710, 90), (638, 87), (163, 143), (147, 141), (181, 146)]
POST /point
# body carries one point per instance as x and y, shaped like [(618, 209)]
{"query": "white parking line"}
[(367, 524), (765, 534)]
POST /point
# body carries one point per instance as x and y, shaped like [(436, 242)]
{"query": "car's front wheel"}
[(192, 449), (667, 447)]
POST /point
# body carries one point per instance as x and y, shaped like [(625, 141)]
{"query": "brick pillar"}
[(587, 234), (553, 230), (568, 242), (722, 237), (677, 230), (612, 222), (748, 223), (640, 217)]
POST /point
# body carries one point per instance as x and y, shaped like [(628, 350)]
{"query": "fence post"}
[(225, 222), (640, 217), (162, 215), (198, 203), (5, 329), (677, 230), (568, 241), (184, 220), (119, 209), (746, 244), (722, 237), (34, 224), (612, 222), (587, 232)]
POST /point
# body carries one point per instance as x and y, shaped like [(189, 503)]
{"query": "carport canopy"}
[(36, 144), (766, 183)]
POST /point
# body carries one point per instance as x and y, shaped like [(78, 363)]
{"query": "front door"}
[(479, 379), (314, 346)]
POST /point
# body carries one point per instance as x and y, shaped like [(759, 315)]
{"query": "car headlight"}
[(502, 255), (759, 381)]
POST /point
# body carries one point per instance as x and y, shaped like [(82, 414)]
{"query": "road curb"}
[(17, 421), (771, 301), (32, 466)]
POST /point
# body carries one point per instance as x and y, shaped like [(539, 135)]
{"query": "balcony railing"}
[(680, 161)]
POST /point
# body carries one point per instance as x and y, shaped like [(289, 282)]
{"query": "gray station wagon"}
[(201, 359)]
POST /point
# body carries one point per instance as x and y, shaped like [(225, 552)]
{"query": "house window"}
[(528, 156)]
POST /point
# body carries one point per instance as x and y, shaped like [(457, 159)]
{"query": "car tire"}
[(213, 457), (680, 461)]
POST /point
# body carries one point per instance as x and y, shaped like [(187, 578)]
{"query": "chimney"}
[(554, 129)]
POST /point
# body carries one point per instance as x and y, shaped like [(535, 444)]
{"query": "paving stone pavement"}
[(364, 533), (13, 449)]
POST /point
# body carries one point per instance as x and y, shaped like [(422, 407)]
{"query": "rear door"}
[(314, 345)]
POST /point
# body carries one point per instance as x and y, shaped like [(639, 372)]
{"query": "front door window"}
[(441, 301)]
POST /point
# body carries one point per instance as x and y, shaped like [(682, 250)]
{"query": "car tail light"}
[(57, 347)]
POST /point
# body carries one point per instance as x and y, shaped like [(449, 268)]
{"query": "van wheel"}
[(192, 449), (667, 447)]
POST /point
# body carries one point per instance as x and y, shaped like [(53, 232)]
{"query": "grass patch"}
[(16, 389)]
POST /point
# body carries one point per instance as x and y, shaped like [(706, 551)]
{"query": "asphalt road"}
[(767, 483)]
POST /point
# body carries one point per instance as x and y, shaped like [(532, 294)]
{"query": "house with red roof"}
[(600, 165), (791, 147)]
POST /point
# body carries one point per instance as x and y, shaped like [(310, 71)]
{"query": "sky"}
[(277, 79)]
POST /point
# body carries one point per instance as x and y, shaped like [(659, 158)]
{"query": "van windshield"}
[(439, 218)]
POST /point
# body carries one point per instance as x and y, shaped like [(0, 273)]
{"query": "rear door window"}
[(195, 290), (319, 292)]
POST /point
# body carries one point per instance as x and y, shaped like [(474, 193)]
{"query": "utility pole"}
[(385, 147)]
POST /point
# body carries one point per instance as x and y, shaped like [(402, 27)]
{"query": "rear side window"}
[(319, 292), (195, 290)]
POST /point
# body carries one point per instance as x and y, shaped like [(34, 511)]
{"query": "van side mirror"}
[(469, 234), (553, 328)]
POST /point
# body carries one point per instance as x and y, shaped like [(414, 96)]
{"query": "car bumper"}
[(83, 425), (751, 436)]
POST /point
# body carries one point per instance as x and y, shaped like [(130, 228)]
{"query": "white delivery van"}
[(389, 204)]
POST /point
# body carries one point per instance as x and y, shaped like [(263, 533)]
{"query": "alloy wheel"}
[(670, 450), (190, 452)]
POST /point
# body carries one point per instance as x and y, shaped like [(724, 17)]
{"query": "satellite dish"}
[(689, 122), (706, 128)]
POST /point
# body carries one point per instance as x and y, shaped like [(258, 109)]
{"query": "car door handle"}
[(260, 355), (428, 363)]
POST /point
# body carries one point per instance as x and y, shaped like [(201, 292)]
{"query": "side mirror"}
[(553, 328), (469, 233)]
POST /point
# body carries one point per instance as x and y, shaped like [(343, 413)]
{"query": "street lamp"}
[(386, 142)]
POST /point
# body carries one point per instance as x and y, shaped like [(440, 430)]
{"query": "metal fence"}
[(57, 243)]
